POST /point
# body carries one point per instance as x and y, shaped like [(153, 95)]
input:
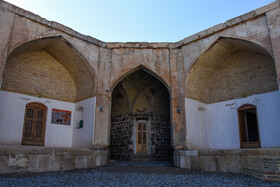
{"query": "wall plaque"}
[(62, 117)]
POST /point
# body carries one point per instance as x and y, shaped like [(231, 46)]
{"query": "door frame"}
[(242, 122), (137, 137), (41, 141), (134, 134)]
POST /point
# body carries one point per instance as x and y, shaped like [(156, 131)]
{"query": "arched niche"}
[(140, 108), (230, 69), (79, 117), (50, 68)]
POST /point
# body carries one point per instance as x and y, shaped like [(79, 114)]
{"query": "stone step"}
[(142, 164), (140, 157)]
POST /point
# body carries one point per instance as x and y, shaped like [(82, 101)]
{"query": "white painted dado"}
[(84, 110), (12, 109), (12, 118), (217, 126), (197, 124)]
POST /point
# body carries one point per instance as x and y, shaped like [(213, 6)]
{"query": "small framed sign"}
[(62, 117)]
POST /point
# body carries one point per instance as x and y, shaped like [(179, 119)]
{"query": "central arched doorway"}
[(140, 119)]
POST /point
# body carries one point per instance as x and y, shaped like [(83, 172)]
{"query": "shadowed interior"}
[(140, 96)]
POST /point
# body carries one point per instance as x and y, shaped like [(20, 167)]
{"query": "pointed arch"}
[(24, 43), (51, 60), (150, 100), (231, 68), (131, 71), (220, 38)]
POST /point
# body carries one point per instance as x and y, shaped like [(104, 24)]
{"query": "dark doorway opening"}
[(140, 119), (248, 126)]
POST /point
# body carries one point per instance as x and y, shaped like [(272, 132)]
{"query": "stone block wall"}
[(260, 163), (122, 147), (40, 159), (161, 138), (271, 167), (121, 137)]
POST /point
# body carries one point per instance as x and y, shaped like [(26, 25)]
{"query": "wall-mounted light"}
[(178, 110), (100, 108)]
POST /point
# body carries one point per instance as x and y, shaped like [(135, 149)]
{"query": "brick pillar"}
[(103, 99), (102, 122), (178, 99)]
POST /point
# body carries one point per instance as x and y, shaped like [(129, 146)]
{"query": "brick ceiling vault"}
[(231, 69), (49, 68)]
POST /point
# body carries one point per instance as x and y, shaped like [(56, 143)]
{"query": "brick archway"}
[(48, 67), (229, 69)]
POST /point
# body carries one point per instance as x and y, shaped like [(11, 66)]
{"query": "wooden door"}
[(142, 140), (248, 126), (34, 124)]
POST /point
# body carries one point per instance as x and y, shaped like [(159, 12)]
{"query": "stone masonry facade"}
[(122, 148), (131, 79), (121, 134), (160, 137)]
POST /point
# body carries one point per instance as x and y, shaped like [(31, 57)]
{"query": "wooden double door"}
[(142, 138), (34, 124)]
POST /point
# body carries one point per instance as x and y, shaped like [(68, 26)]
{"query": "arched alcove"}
[(229, 73), (230, 69), (50, 68), (140, 118), (79, 117)]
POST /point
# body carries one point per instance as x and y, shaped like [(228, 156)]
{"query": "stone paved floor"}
[(127, 175)]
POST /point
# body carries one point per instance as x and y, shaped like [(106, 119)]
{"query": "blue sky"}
[(139, 20)]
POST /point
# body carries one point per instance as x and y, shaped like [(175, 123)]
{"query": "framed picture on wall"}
[(62, 117)]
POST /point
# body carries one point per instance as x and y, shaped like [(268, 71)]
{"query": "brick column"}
[(178, 99), (102, 122), (103, 99)]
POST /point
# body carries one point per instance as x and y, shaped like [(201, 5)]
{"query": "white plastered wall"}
[(83, 137), (219, 129), (12, 111), (197, 124)]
